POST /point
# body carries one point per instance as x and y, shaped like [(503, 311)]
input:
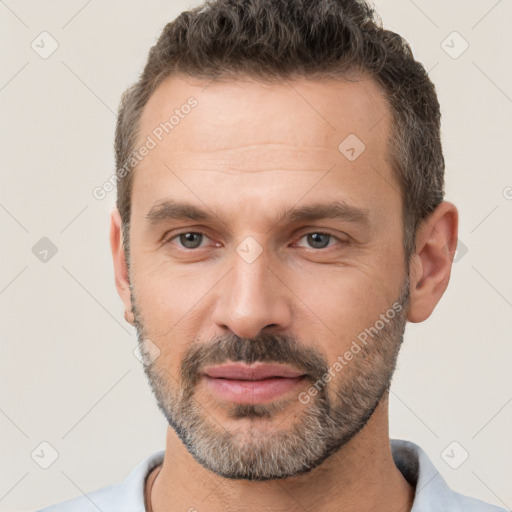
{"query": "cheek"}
[(339, 308), (170, 304), (166, 290)]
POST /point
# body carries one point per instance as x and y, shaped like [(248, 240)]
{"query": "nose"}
[(252, 297)]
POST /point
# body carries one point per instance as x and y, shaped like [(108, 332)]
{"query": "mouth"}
[(258, 383)]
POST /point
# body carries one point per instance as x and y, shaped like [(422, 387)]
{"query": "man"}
[(279, 218)]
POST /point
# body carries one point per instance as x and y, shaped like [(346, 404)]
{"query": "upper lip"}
[(240, 371)]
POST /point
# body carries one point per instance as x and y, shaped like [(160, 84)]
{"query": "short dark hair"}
[(285, 39)]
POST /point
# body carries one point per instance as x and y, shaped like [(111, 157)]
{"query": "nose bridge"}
[(251, 297)]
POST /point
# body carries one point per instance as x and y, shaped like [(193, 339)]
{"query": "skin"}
[(248, 152)]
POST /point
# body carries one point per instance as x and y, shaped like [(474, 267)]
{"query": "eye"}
[(189, 239), (320, 240)]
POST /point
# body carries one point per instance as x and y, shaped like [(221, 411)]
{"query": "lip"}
[(259, 383), (258, 371)]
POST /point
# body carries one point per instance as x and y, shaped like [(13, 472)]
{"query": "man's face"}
[(255, 281)]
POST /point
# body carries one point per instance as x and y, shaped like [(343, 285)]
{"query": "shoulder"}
[(432, 492), (124, 496), (100, 499)]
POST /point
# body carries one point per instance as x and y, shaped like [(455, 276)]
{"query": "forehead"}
[(268, 135), (298, 112)]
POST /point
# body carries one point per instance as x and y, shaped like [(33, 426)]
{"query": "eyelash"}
[(168, 240)]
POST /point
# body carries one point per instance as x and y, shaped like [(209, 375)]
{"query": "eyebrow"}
[(174, 210)]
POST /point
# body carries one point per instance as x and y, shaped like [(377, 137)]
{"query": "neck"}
[(360, 476)]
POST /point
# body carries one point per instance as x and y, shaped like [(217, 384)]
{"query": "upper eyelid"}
[(171, 236)]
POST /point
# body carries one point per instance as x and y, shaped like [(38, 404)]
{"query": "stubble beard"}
[(260, 450)]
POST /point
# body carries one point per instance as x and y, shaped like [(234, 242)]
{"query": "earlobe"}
[(436, 242), (122, 276), (128, 316)]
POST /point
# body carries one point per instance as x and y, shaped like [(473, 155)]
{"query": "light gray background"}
[(68, 373)]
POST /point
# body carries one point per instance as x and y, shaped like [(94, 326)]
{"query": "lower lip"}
[(253, 391)]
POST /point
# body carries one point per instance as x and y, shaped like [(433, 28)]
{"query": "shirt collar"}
[(431, 490)]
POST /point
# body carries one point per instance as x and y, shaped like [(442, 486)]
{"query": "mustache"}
[(267, 348)]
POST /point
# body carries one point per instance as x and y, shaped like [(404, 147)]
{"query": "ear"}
[(121, 273), (436, 243)]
